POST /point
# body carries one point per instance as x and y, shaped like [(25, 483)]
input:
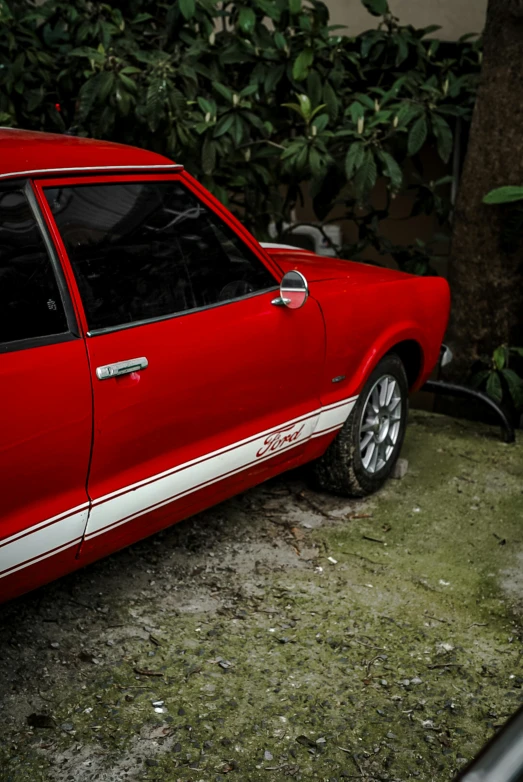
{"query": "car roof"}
[(30, 153)]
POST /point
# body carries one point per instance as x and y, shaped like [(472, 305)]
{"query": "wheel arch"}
[(411, 354)]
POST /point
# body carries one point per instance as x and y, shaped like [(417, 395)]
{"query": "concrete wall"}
[(456, 17)]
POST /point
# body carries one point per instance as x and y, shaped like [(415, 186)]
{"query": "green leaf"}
[(224, 91), (279, 40), (314, 87), (356, 111), (479, 378), (376, 7), (188, 8), (500, 356), (407, 112), (208, 155), (273, 79), (155, 102), (247, 20), (392, 170), (494, 389), (515, 385), (366, 176), (417, 135), (87, 96), (302, 63), (504, 195), (321, 122), (295, 6), (305, 105), (354, 159), (444, 137), (331, 101), (223, 125)]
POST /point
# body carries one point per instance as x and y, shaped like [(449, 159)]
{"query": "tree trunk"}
[(486, 280)]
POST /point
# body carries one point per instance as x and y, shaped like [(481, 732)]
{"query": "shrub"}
[(261, 99)]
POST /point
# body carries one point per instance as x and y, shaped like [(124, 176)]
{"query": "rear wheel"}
[(362, 456)]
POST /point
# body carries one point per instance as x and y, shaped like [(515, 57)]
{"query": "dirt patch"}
[(284, 634)]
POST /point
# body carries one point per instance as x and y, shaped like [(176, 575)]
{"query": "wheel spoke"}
[(383, 392), (374, 460), (369, 424), (390, 392), (366, 440), (393, 404), (371, 448), (375, 400)]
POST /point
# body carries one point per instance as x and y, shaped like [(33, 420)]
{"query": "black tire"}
[(340, 470)]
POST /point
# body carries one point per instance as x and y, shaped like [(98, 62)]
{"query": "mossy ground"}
[(394, 662)]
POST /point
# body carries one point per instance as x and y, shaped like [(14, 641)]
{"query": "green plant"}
[(260, 99), (499, 380)]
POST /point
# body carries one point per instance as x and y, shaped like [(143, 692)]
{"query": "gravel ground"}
[(285, 634)]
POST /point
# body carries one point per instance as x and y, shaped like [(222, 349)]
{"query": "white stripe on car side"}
[(42, 542), (112, 510)]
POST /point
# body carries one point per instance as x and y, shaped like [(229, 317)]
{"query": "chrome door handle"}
[(121, 368)]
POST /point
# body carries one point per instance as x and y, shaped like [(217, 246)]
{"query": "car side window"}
[(146, 250), (30, 301)]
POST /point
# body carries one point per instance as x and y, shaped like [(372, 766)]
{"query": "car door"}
[(46, 404), (222, 387)]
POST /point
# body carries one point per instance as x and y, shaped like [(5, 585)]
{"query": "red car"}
[(155, 359)]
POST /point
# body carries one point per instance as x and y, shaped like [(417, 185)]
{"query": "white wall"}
[(456, 17)]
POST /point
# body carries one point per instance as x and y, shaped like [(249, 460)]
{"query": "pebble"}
[(400, 469)]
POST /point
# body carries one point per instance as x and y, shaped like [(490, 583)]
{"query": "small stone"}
[(54, 645), (416, 680), (267, 755), (400, 469)]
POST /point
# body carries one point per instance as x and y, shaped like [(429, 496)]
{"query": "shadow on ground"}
[(285, 634)]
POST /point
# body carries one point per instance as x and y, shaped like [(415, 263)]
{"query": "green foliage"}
[(499, 380), (504, 195), (260, 99)]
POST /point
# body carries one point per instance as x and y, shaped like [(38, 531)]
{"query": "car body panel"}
[(26, 152), (233, 393), (45, 446)]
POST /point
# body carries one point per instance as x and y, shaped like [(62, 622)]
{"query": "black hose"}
[(452, 389)]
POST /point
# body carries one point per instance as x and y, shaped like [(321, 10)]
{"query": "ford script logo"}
[(278, 440)]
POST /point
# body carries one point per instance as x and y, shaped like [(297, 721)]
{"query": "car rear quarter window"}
[(146, 250), (30, 301)]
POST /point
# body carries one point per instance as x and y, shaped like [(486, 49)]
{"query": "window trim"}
[(24, 185), (36, 342), (70, 314), (183, 313), (202, 195)]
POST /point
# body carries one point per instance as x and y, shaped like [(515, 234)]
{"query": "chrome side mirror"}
[(294, 291)]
